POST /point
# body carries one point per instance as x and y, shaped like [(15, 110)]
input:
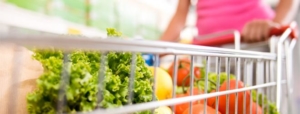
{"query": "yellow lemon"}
[(164, 84)]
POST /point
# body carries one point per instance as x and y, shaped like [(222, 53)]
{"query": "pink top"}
[(220, 15)]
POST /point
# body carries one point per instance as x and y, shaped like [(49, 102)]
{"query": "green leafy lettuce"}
[(82, 68)]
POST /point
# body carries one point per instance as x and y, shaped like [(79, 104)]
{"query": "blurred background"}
[(135, 18), (145, 19)]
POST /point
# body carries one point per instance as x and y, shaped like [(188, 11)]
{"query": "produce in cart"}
[(199, 109), (255, 108), (164, 84), (199, 85), (180, 108), (82, 88), (232, 97), (183, 72), (163, 110)]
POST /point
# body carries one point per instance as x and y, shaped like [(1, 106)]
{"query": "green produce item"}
[(269, 107), (180, 89), (213, 80), (82, 87)]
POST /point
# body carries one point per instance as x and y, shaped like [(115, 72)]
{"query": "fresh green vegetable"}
[(269, 107), (213, 80), (82, 88)]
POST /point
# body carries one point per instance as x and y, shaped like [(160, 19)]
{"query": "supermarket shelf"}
[(14, 16)]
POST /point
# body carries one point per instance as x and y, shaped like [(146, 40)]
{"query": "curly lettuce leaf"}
[(82, 87)]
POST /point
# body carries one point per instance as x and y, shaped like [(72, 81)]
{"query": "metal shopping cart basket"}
[(273, 68)]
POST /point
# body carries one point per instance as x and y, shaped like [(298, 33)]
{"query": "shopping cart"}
[(271, 84)]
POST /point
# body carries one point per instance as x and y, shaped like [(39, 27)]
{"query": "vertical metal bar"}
[(289, 67), (207, 66), (101, 76), (267, 77), (174, 79), (251, 99), (64, 81), (250, 71), (283, 37), (255, 82), (156, 64), (259, 79), (237, 40), (289, 73), (272, 67), (272, 78), (250, 83), (262, 104), (191, 82), (268, 91), (216, 65), (237, 45), (278, 79), (218, 83), (17, 60), (264, 81), (238, 75), (228, 81), (131, 78), (264, 74), (257, 101), (245, 80)]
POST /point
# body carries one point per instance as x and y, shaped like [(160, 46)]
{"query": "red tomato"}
[(211, 101), (183, 72), (196, 91), (199, 109), (222, 98), (179, 108), (255, 107), (197, 72)]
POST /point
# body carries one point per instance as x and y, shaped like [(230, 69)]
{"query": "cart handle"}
[(229, 38)]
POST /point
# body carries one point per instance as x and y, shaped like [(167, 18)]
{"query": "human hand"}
[(257, 30)]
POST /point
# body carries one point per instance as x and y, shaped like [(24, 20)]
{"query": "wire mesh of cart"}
[(116, 80)]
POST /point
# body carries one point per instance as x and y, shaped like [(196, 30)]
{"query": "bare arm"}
[(286, 11), (177, 22)]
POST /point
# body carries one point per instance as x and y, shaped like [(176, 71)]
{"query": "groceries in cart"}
[(199, 84), (82, 87), (85, 81)]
